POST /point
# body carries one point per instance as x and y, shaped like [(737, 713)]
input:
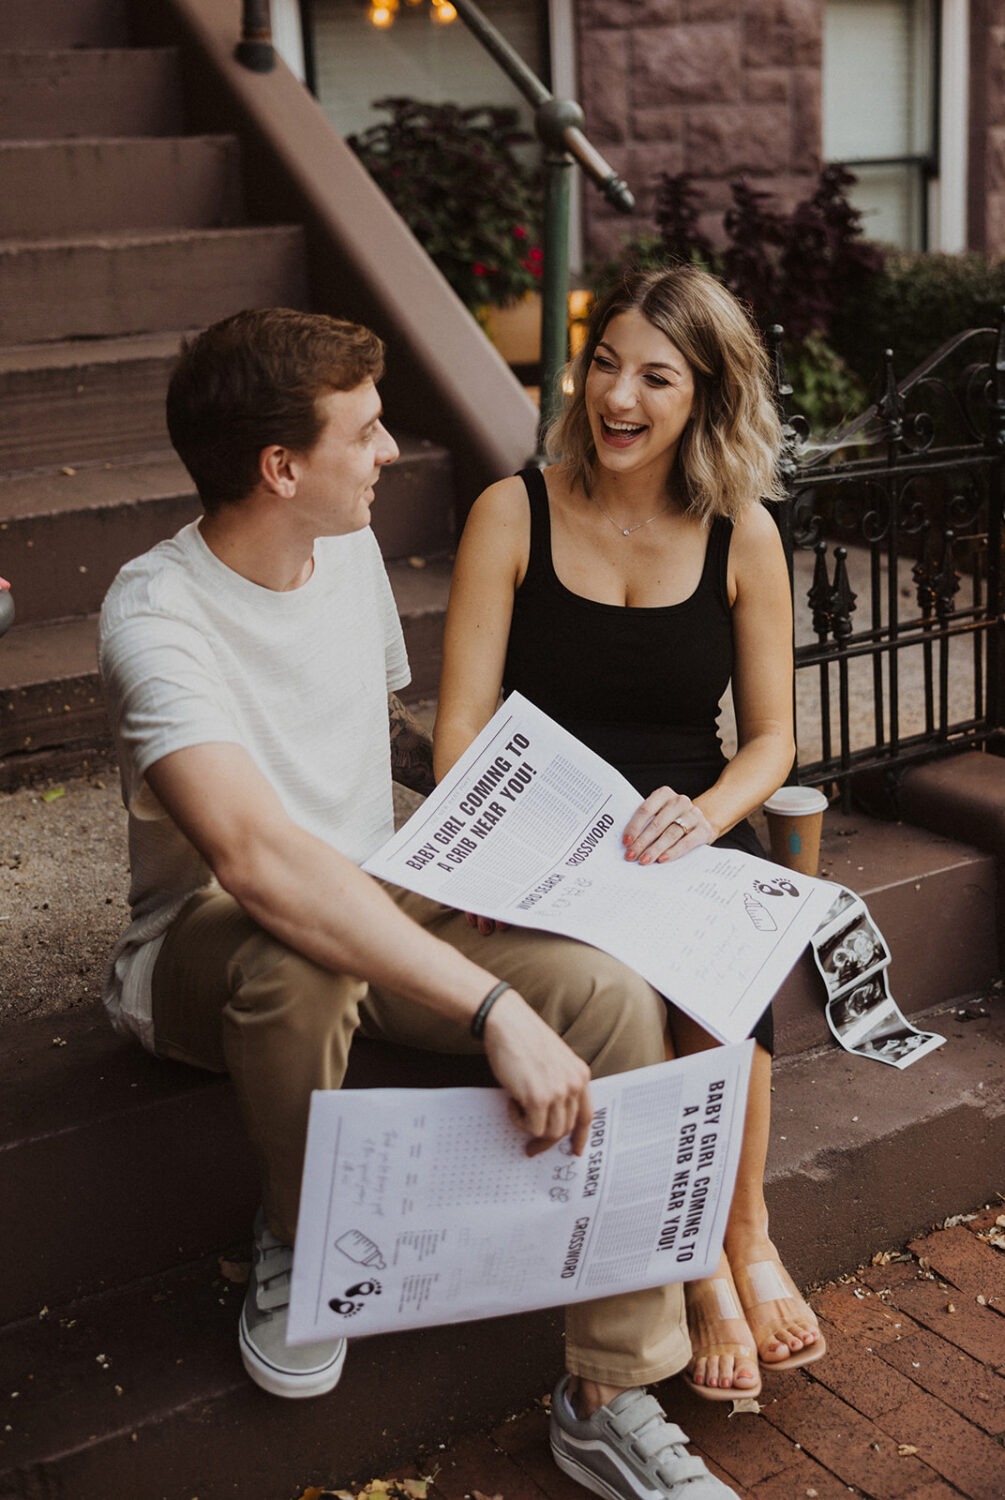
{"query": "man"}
[(251, 665)]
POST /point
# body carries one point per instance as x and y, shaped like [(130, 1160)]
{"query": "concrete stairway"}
[(120, 229), (132, 1192)]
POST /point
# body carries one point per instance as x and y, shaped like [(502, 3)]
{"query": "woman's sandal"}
[(766, 1283), (716, 1299)]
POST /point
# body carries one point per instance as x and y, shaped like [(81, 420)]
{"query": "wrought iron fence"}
[(894, 534)]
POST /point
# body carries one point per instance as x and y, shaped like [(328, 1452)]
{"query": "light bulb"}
[(444, 12)]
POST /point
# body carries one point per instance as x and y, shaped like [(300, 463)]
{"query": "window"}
[(879, 111)]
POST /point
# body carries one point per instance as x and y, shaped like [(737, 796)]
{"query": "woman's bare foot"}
[(784, 1327), (723, 1353)]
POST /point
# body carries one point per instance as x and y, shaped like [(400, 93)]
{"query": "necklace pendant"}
[(628, 531)]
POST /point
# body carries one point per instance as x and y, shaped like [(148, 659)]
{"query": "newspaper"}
[(421, 1206), (526, 828)]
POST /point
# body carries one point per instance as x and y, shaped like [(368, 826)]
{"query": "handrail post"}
[(255, 49), (551, 118), (996, 541)]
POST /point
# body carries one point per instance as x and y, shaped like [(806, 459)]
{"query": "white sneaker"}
[(280, 1369), (629, 1451)]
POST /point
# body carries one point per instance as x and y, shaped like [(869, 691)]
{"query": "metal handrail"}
[(255, 49), (559, 127)]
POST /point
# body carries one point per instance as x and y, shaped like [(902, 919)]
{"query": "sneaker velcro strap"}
[(682, 1468), (633, 1415)]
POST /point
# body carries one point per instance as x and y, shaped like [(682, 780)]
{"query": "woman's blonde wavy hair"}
[(727, 458)]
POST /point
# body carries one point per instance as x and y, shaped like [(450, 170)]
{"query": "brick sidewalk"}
[(909, 1402)]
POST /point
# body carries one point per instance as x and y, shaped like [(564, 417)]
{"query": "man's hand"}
[(548, 1085)]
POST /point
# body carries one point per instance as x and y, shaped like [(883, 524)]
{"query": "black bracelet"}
[(481, 1014)]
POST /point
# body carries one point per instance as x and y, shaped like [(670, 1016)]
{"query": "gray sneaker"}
[(297, 1370), (629, 1451)]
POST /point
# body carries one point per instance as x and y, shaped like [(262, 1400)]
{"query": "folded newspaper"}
[(421, 1206), (526, 828)]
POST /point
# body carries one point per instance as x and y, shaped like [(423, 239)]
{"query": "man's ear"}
[(277, 470)]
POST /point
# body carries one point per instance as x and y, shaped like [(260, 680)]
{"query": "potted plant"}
[(457, 179)]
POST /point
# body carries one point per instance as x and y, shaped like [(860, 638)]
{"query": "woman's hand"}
[(666, 826)]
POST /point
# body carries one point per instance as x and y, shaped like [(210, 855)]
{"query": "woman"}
[(640, 571)]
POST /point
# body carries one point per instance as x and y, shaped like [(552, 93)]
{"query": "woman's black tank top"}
[(641, 687)]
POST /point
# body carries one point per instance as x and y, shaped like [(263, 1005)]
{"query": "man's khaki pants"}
[(229, 997)]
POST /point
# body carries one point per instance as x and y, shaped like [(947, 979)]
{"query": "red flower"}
[(519, 233)]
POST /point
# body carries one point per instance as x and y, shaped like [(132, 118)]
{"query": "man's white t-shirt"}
[(192, 653)]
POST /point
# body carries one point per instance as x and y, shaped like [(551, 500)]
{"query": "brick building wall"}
[(715, 88)]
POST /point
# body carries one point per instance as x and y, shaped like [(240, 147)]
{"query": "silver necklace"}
[(629, 530)]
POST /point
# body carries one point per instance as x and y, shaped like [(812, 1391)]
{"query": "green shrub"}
[(913, 306), (795, 268), (455, 178)]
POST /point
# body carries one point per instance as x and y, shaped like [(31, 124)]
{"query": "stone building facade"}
[(724, 88)]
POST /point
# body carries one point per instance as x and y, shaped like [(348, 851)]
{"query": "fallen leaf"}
[(906, 1450), (236, 1271), (745, 1404), (54, 793), (950, 1307), (477, 1494)]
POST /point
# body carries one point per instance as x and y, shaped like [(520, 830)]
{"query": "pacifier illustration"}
[(359, 1247)]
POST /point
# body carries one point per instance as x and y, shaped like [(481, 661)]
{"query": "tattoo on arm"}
[(411, 749)]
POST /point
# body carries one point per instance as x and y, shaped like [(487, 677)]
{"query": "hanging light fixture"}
[(382, 12)]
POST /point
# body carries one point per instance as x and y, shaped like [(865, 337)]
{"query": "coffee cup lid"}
[(796, 801)]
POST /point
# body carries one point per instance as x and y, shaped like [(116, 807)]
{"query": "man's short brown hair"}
[(255, 379)]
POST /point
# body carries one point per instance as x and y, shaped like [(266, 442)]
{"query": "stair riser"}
[(958, 902), (83, 415), (104, 186), (49, 95), (58, 714), (889, 1159), (42, 722), (186, 1422), (71, 23), (64, 564), (67, 291)]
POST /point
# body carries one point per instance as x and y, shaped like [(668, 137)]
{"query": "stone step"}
[(101, 186), (65, 535), (70, 1088), (51, 714), (51, 94), (118, 1388), (70, 404), (65, 23), (122, 284)]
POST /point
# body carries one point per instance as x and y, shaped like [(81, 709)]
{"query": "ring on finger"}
[(681, 825)]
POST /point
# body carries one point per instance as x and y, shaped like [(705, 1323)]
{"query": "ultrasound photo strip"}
[(852, 956)]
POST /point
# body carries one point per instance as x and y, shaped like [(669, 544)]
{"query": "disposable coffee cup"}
[(795, 816)]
